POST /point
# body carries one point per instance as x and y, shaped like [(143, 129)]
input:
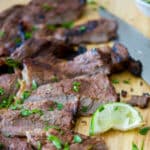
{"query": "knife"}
[(137, 44)]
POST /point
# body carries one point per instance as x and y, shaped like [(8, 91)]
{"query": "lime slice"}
[(118, 116)]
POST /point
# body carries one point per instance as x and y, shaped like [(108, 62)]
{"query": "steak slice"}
[(8, 86), (95, 31), (139, 101), (36, 115), (54, 12), (8, 143), (66, 139), (93, 91)]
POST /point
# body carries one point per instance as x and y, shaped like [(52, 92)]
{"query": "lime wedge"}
[(118, 116)]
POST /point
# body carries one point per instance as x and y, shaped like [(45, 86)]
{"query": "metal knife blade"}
[(137, 44)]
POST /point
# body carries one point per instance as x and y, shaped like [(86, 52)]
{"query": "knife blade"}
[(137, 44)]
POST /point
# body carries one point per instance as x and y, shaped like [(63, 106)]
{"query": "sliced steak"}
[(66, 140), (139, 101), (54, 12), (92, 90), (95, 31), (8, 85), (8, 143), (36, 115)]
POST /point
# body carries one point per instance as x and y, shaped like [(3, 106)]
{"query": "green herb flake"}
[(84, 108), (59, 106), (76, 86), (82, 28), (6, 102), (134, 146), (92, 2), (51, 27), (47, 7), (12, 63), (66, 146), (51, 109), (47, 127), (102, 7), (16, 107), (28, 35), (144, 131), (25, 112), (34, 85), (26, 94), (101, 108), (2, 33), (1, 91), (37, 111), (115, 81), (77, 139), (56, 141), (18, 40), (39, 145), (17, 85), (68, 25), (126, 81), (116, 108), (54, 78)]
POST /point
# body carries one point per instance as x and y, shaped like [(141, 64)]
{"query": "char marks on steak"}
[(46, 113), (66, 138), (95, 31), (8, 143), (93, 91), (139, 101)]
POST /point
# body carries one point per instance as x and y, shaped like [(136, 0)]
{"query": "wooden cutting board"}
[(116, 140)]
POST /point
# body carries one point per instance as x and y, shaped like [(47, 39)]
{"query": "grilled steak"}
[(67, 140), (95, 31), (139, 101), (36, 115), (92, 90), (8, 143), (8, 85)]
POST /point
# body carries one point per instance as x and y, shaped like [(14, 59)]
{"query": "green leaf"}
[(51, 127), (115, 81), (16, 107), (51, 109), (84, 108), (2, 33), (26, 94), (59, 106), (134, 147), (39, 145), (18, 40), (66, 146), (68, 25), (101, 108), (126, 81), (34, 85), (37, 111), (76, 86), (56, 141), (26, 112), (1, 91), (28, 35), (144, 131), (77, 139), (47, 7), (82, 28), (12, 63), (6, 102), (54, 79), (51, 27)]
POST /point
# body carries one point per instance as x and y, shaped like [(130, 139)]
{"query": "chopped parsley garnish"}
[(84, 108), (54, 78), (1, 91), (27, 112), (34, 85), (39, 145), (77, 139), (25, 95), (66, 146), (59, 106), (115, 81), (47, 7), (51, 127), (18, 41), (126, 81), (12, 63), (82, 28), (51, 27), (2, 34), (101, 108), (68, 25), (28, 35), (76, 86), (51, 109), (6, 102), (16, 106), (56, 141), (17, 85), (144, 131)]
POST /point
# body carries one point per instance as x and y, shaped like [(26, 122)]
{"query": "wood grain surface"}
[(116, 140)]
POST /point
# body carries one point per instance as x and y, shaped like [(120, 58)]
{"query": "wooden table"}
[(116, 140)]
